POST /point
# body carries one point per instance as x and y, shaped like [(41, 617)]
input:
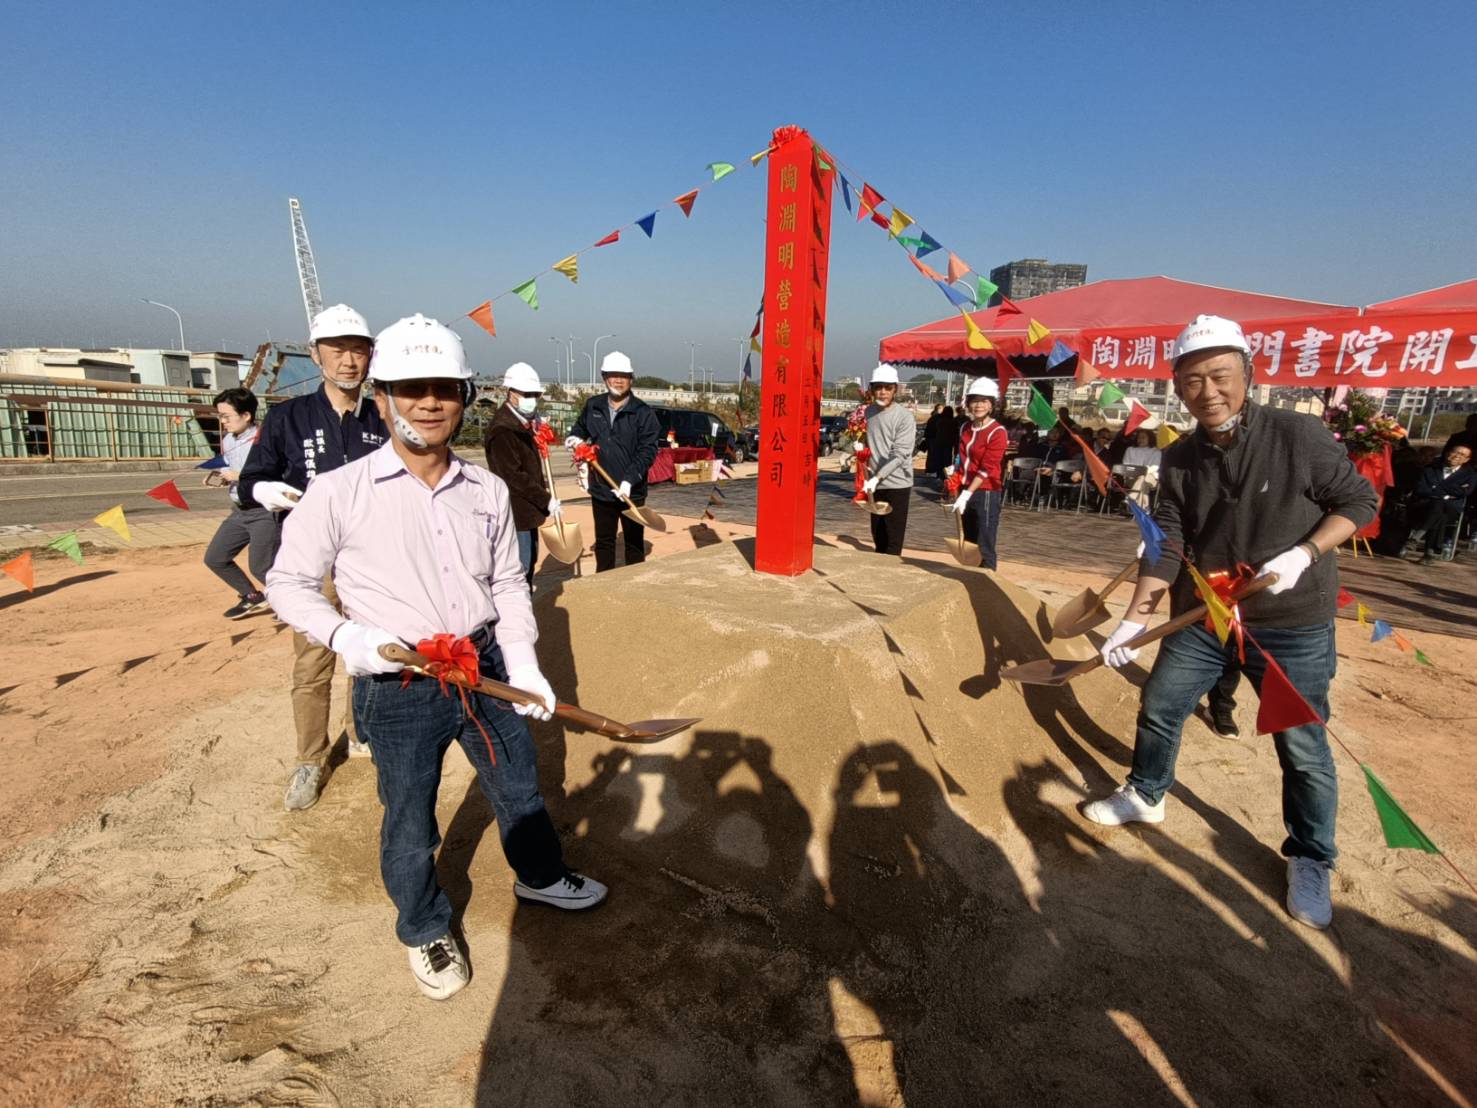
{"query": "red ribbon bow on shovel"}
[(543, 438), (861, 474), (1224, 583), (452, 660)]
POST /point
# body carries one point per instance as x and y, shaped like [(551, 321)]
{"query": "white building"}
[(213, 370)]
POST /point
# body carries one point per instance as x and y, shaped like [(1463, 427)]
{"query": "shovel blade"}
[(1046, 671), (654, 730), (965, 553), (566, 545), (1079, 616), (877, 508), (643, 515)]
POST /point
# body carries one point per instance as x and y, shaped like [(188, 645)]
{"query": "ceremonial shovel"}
[(563, 540), (965, 553), (1058, 671), (636, 513), (643, 730), (1085, 611), (873, 506)]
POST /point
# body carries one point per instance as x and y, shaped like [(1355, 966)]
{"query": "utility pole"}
[(691, 364)]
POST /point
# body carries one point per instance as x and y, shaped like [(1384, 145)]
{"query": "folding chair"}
[(1124, 477), (1062, 485), (1022, 480)]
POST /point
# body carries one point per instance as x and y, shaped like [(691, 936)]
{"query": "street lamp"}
[(595, 357), (177, 316), (569, 357), (558, 343), (691, 363), (592, 365)]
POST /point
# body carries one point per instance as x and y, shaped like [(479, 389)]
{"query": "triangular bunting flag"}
[(719, 170), (1345, 597), (168, 493), (685, 202), (880, 219), (647, 223), (1095, 465), (754, 345), (1220, 615), (218, 462), (481, 315), (907, 242), (1165, 435), (1111, 394), (1282, 707), (1400, 830), (1036, 332), (957, 298), (1137, 414), (976, 339), (528, 292), (68, 545), (899, 222), (927, 244), (845, 191), (114, 520), (748, 367), (1421, 658), (1005, 372), (1060, 352), (984, 289), (23, 569), (870, 199), (614, 236), (1086, 372), (1039, 412), (569, 266), (957, 267), (1382, 630), (1149, 531), (1006, 307), (926, 269), (1402, 642), (755, 159), (1360, 613)]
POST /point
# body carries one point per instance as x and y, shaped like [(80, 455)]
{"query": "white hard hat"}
[(616, 362), (1210, 332), (884, 374), (522, 378), (983, 386), (416, 347), (339, 321)]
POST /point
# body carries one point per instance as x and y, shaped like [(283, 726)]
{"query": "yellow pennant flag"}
[(1361, 612), (976, 340), (1165, 435), (570, 267), (754, 345), (114, 520), (899, 222), (755, 159), (1220, 615), (1036, 332)]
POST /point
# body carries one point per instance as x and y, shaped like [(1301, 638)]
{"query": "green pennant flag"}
[(1039, 411), (1421, 658), (984, 289), (910, 243), (1400, 830), (528, 293), (1111, 394), (69, 546), (720, 170)]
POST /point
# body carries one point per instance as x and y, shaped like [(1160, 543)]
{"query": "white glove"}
[(948, 471), (1114, 652), (360, 647), (530, 680), (554, 506), (869, 486), (276, 495), (858, 446), (961, 500), (1139, 553), (1288, 566), (623, 490), (573, 441)]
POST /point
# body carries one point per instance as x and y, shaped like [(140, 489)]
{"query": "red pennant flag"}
[(1095, 465), (1004, 372), (869, 201), (881, 220), (685, 202), (1282, 707), (23, 570), (614, 236), (1137, 414), (1345, 597), (957, 267), (168, 493), (482, 317), (1006, 307)]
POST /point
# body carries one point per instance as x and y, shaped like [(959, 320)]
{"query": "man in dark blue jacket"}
[(1440, 494), (301, 438), (626, 433)]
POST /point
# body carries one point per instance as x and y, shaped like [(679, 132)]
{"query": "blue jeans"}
[(1190, 662), (409, 730), (528, 553), (982, 520)]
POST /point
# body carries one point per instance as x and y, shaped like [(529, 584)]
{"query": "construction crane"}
[(307, 269)]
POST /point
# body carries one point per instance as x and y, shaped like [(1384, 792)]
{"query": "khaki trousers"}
[(312, 686)]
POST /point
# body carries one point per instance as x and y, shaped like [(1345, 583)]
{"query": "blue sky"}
[(443, 153)]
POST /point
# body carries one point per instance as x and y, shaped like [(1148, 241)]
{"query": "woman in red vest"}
[(982, 444)]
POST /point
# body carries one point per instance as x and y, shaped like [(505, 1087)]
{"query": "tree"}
[(851, 391), (650, 382)]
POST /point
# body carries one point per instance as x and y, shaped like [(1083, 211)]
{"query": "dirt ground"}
[(863, 879)]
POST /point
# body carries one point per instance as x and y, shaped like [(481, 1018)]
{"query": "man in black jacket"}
[(301, 438), (1440, 494), (1251, 487), (514, 456), (626, 433)]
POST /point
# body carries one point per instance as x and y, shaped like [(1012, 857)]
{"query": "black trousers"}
[(607, 518), (888, 530), (1433, 517)]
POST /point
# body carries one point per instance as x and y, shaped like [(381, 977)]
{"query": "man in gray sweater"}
[(1253, 491), (891, 433)]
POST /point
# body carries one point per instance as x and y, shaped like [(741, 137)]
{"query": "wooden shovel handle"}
[(616, 485), (549, 480), (1123, 575)]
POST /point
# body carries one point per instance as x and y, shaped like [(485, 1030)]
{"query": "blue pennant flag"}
[(845, 190), (748, 367), (218, 462), (1060, 352), (928, 246), (957, 298), (646, 223), (1382, 630), (1150, 531)]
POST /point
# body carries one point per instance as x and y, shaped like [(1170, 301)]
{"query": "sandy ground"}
[(863, 879)]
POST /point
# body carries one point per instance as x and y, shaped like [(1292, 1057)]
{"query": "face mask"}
[(527, 405), (403, 430)]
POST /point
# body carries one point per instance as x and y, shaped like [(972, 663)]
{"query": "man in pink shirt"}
[(421, 544)]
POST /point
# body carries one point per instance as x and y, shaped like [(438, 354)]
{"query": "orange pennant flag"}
[(685, 202), (481, 315), (1097, 469), (957, 267), (1402, 642), (925, 269), (23, 570), (1086, 372)]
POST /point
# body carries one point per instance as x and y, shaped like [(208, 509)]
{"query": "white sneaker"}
[(1308, 899), (571, 892), (303, 788), (439, 967), (1124, 805)]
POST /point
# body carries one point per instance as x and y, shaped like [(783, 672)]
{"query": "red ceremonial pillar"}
[(796, 261)]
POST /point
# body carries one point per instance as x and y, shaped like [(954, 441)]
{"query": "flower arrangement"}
[(856, 422), (1359, 426)]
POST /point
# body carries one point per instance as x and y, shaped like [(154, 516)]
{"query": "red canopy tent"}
[(1461, 296)]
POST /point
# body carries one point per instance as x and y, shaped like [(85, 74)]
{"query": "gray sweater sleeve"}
[(892, 433)]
